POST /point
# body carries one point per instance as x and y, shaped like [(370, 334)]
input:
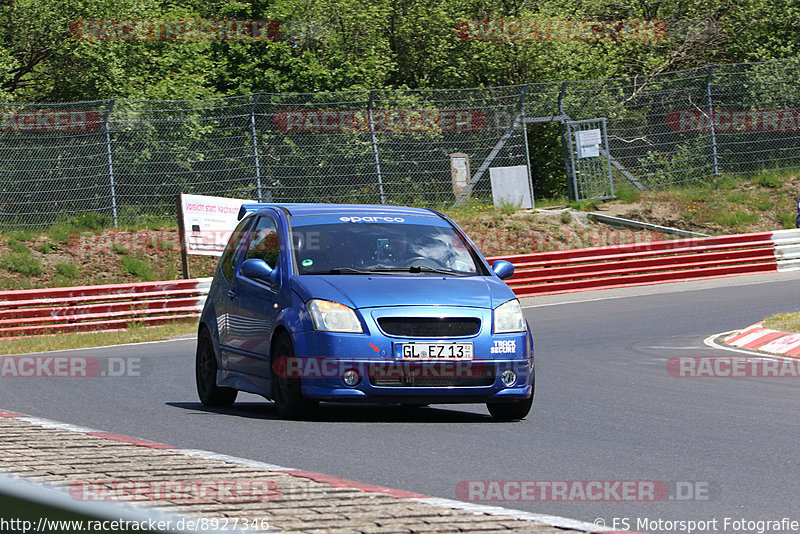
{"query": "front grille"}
[(430, 326), (429, 375)]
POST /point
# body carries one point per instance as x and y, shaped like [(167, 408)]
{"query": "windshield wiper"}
[(416, 269), (413, 269), (343, 270), (426, 269)]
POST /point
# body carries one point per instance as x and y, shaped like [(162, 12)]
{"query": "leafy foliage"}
[(329, 45)]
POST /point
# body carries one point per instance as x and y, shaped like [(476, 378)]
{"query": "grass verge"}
[(785, 322), (135, 334)]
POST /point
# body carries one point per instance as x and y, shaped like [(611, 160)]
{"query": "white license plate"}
[(433, 351)]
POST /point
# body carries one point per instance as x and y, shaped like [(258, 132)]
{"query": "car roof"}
[(334, 209)]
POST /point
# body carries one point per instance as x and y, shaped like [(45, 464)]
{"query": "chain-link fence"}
[(128, 159), (679, 128)]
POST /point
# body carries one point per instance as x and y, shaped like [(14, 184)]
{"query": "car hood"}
[(361, 291)]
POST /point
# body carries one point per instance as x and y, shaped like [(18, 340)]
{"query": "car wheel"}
[(512, 411), (287, 392), (206, 375)]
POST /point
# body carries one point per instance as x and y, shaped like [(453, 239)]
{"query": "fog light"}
[(508, 377), (351, 377)]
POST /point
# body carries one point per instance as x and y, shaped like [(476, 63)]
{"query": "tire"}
[(206, 375), (512, 411), (286, 392)]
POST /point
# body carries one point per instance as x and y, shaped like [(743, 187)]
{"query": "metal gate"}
[(589, 161)]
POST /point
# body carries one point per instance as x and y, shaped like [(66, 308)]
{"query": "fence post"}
[(522, 98), (254, 138), (712, 129), (567, 153), (375, 146), (110, 161)]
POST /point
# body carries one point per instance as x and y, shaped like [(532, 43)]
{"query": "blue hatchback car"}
[(359, 303)]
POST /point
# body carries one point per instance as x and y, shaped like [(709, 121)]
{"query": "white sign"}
[(588, 142), (510, 186), (208, 222)]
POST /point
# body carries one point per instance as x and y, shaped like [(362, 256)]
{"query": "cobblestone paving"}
[(94, 467)]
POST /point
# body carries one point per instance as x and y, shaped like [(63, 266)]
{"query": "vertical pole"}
[(184, 248), (608, 159), (254, 138), (375, 146), (576, 196), (525, 136), (565, 140), (110, 161), (711, 120)]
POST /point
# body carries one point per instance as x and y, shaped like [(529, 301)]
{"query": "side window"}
[(228, 259), (264, 242)]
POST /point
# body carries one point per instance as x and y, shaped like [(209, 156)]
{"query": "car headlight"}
[(508, 318), (333, 317)]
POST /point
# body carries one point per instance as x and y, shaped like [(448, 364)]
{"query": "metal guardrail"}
[(28, 507), (646, 263), (104, 307), (619, 222), (787, 249), (95, 308)]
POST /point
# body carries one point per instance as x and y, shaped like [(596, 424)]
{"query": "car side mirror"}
[(257, 269), (503, 269)]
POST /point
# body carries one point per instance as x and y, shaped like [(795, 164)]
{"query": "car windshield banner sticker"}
[(371, 218)]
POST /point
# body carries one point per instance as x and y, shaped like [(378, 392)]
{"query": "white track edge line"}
[(208, 455), (551, 520), (107, 346)]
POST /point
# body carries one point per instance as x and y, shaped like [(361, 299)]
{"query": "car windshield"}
[(367, 248)]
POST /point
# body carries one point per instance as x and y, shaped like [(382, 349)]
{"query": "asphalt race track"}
[(606, 409)]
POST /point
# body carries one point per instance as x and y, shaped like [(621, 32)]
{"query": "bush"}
[(769, 181), (18, 247), (60, 232), (68, 270), (139, 268), (22, 263), (20, 235), (787, 220), (91, 220), (628, 195), (734, 219), (46, 248)]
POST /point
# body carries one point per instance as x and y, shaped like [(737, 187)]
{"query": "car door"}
[(256, 303), (223, 293)]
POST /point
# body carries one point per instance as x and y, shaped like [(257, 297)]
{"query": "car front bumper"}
[(325, 357)]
